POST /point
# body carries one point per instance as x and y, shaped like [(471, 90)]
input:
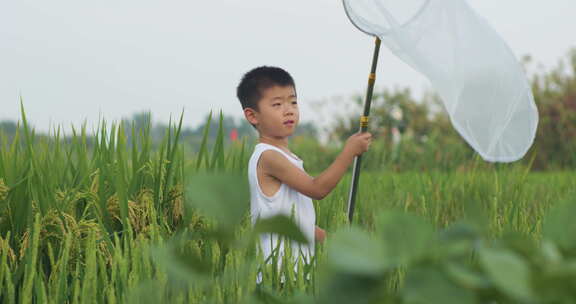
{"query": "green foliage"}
[(405, 237), (344, 254), (282, 226), (120, 221), (223, 197), (555, 95), (508, 271)]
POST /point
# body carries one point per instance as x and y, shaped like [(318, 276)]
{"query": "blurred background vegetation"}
[(410, 133)]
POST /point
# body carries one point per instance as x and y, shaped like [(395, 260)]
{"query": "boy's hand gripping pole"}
[(363, 128)]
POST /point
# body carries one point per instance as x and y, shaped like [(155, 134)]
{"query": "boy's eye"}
[(294, 102), (276, 104)]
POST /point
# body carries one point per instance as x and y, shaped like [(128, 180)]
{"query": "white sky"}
[(76, 60)]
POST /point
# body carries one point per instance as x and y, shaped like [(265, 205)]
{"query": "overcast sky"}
[(76, 60)]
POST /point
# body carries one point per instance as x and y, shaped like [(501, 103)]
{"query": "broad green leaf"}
[(466, 277), (428, 285), (345, 288), (353, 251), (182, 258), (457, 240), (560, 227), (508, 271), (406, 237), (549, 251), (222, 196), (282, 226)]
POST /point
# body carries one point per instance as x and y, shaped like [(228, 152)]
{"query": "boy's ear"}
[(251, 116)]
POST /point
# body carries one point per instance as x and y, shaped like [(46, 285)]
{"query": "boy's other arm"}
[(319, 234), (276, 165)]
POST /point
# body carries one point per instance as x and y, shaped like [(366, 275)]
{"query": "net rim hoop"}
[(418, 13)]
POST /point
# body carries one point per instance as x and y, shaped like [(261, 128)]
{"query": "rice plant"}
[(112, 217)]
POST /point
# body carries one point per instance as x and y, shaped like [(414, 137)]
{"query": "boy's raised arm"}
[(276, 165)]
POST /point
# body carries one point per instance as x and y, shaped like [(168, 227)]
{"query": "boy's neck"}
[(278, 142)]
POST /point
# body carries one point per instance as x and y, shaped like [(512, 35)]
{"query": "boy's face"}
[(278, 113)]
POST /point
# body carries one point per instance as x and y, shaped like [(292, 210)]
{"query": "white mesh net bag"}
[(482, 85)]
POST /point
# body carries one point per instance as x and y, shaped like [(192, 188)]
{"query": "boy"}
[(278, 182)]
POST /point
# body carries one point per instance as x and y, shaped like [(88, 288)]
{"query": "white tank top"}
[(285, 201)]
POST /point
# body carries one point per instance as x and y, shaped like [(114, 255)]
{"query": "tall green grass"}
[(91, 218)]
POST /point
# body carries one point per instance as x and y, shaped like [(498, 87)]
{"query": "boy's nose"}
[(289, 111)]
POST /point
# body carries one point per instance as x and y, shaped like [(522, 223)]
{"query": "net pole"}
[(363, 128)]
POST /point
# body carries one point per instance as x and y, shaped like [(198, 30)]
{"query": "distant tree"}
[(394, 111), (555, 96), (8, 127), (308, 129)]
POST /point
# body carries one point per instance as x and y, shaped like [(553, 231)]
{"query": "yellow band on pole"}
[(364, 121), (371, 78)]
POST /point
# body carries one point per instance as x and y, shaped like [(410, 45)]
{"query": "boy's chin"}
[(289, 134)]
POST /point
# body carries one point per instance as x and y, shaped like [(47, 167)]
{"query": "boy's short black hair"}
[(249, 91)]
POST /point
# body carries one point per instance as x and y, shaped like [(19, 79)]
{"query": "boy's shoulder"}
[(264, 154), (273, 153), (273, 161)]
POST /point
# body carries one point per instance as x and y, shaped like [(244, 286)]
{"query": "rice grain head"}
[(5, 247), (176, 196), (3, 190)]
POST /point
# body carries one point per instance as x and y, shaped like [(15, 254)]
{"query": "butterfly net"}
[(482, 85)]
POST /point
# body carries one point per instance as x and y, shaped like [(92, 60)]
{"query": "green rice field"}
[(94, 218)]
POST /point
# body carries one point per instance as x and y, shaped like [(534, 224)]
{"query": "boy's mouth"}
[(289, 122)]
